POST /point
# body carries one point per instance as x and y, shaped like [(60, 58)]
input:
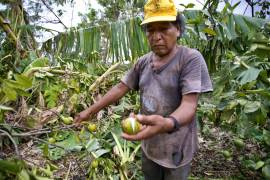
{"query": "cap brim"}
[(159, 18)]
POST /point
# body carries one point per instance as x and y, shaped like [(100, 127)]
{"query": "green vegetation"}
[(41, 89)]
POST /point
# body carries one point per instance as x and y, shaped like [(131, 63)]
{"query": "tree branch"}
[(50, 9), (13, 141), (39, 131)]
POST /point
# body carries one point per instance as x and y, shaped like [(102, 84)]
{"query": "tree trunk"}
[(13, 38)]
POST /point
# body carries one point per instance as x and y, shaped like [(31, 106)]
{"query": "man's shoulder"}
[(189, 52), (143, 60), (145, 57)]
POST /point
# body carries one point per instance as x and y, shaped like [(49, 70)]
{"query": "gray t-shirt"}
[(161, 92)]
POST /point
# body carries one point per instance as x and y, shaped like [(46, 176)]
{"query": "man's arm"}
[(110, 97), (156, 124), (187, 110)]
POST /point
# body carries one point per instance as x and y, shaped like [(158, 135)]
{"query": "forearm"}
[(110, 97), (185, 113)]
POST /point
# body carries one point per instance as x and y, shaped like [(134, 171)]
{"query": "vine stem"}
[(13, 141)]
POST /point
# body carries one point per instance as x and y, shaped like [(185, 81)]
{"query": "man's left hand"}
[(152, 125)]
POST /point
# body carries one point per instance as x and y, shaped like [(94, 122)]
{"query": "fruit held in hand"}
[(131, 125)]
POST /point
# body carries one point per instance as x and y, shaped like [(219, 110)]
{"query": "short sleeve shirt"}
[(161, 92)]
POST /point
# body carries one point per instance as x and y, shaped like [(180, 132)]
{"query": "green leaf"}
[(242, 25), (262, 92), (266, 171), (56, 153), (23, 175), (189, 5), (10, 93), (6, 108), (252, 106), (250, 164), (122, 154), (40, 62), (24, 81), (209, 31), (100, 152), (259, 164), (11, 166), (71, 143), (266, 137), (92, 145), (249, 75), (45, 150)]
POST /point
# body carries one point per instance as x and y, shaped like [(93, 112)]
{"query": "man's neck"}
[(165, 58)]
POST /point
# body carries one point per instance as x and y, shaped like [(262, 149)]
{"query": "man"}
[(169, 79)]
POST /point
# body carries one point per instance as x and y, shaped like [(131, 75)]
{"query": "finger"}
[(143, 134), (132, 115), (145, 120), (77, 120), (143, 127)]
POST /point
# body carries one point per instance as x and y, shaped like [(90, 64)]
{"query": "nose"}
[(156, 35)]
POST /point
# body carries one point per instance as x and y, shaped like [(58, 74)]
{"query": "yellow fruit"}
[(51, 140), (67, 120), (92, 127), (131, 125), (94, 164)]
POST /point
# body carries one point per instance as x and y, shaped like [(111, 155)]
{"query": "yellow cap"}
[(159, 10)]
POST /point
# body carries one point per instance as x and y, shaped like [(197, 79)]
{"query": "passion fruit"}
[(67, 120), (131, 125), (94, 164), (92, 127), (51, 140), (238, 143)]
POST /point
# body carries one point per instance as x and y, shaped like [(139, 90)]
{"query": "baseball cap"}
[(159, 10)]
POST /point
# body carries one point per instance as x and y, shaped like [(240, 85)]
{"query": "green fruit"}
[(94, 164), (238, 143), (51, 140), (67, 120), (92, 127), (131, 125), (226, 154)]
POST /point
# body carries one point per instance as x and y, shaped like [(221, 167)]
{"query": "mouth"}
[(158, 46)]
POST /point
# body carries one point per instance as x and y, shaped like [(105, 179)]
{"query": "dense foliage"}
[(41, 89)]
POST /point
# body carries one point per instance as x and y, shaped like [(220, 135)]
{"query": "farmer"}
[(169, 79)]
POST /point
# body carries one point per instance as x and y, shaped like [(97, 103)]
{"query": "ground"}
[(209, 162)]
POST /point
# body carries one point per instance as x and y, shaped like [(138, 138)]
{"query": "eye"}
[(164, 29), (149, 30)]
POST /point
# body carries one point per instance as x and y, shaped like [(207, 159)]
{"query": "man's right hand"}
[(82, 116)]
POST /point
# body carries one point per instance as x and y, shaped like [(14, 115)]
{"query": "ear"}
[(178, 31)]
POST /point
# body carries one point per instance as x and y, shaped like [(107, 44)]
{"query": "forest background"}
[(46, 81)]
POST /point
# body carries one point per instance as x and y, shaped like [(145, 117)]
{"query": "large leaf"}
[(252, 106), (266, 171), (71, 143), (23, 81), (11, 166), (249, 75), (40, 62), (266, 137)]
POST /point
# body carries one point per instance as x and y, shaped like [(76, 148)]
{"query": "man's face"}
[(162, 37)]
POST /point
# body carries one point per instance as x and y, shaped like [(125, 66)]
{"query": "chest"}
[(166, 79)]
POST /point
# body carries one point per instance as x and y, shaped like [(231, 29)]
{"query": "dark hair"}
[(180, 21)]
